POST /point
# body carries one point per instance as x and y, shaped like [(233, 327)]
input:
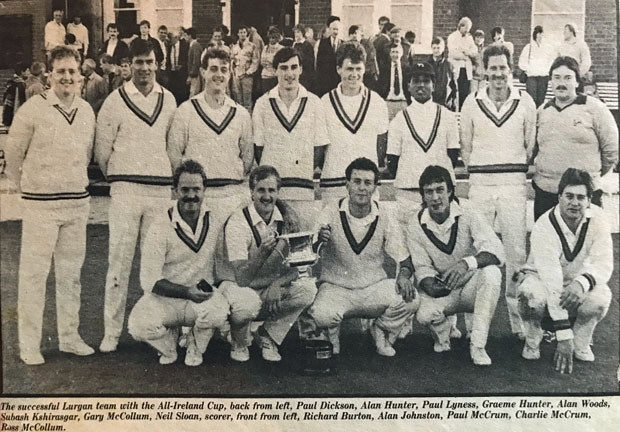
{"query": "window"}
[(128, 13), (415, 15), (553, 15)]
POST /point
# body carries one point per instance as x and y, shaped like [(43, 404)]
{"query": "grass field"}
[(416, 369)]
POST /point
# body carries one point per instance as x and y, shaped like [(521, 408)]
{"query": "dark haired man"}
[(358, 234), (326, 75), (177, 65), (498, 133), (55, 203), (193, 62), (357, 120), (290, 131), (215, 131), (574, 130), (131, 152), (245, 62), (575, 48), (456, 256), (564, 284), (176, 272), (145, 35), (254, 278), (113, 46), (15, 93)]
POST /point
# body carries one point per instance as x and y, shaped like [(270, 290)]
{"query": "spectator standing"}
[(535, 60), (462, 51), (15, 93), (94, 88), (245, 60), (268, 74), (111, 73), (81, 33), (54, 32), (178, 67), (575, 48), (163, 73), (145, 29), (35, 83), (497, 36), (193, 63), (326, 74), (113, 46), (371, 73), (306, 52), (444, 92), (478, 78)]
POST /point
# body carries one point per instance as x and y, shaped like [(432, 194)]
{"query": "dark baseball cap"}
[(422, 68)]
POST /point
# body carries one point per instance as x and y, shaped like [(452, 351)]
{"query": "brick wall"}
[(206, 14), (314, 13), (601, 36), (446, 15), (40, 10)]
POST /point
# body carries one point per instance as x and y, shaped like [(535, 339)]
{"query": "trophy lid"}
[(297, 235)]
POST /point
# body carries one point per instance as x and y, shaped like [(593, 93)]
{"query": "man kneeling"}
[(176, 271), (564, 283), (456, 256), (255, 280), (358, 234)]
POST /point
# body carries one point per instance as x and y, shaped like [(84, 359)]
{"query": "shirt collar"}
[(131, 88), (455, 210), (484, 95), (276, 216), (274, 94), (565, 229), (579, 100), (417, 105), (228, 102), (52, 99), (177, 219), (374, 210), (362, 92)]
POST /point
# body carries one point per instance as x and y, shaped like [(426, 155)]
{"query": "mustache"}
[(190, 200), (561, 87)]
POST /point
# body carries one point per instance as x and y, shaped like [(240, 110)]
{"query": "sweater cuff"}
[(562, 335), (587, 281), (472, 262)]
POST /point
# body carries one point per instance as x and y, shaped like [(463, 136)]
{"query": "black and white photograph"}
[(309, 199)]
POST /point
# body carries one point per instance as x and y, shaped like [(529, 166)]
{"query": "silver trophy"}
[(301, 255)]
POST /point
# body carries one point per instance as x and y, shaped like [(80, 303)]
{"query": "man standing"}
[(193, 63), (94, 88), (176, 272), (574, 131), (36, 82), (177, 66), (419, 136), (111, 73), (245, 61), (80, 32), (131, 152), (113, 46), (575, 48), (393, 82), (444, 90), (163, 74), (215, 131), (358, 234), (306, 53), (371, 73), (462, 51), (255, 281), (456, 256), (15, 93), (564, 285), (326, 75), (55, 203), (54, 32), (290, 132), (145, 35), (357, 121), (498, 133)]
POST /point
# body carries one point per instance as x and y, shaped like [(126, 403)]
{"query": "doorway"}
[(262, 14)]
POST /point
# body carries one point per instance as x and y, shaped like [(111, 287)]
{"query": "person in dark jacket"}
[(15, 94), (326, 76), (306, 53)]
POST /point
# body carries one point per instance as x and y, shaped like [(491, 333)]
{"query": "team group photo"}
[(309, 198)]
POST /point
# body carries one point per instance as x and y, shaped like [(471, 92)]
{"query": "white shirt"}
[(174, 52), (442, 231), (54, 35), (421, 135), (164, 50), (536, 59), (288, 136), (81, 34), (111, 46), (461, 48), (392, 96), (239, 237), (353, 123)]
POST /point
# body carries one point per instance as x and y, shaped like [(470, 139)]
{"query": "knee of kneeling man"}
[(247, 309), (596, 303), (532, 296), (492, 275), (323, 316), (141, 326), (427, 314), (304, 292), (214, 313)]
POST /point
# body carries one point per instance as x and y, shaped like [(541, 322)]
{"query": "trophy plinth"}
[(301, 255)]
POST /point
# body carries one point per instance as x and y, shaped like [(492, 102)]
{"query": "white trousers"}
[(246, 305), (129, 216), (157, 320), (505, 207), (533, 306), (334, 303), (50, 232), (479, 295)]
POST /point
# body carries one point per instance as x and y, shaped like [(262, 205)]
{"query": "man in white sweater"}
[(564, 284), (131, 151), (48, 150)]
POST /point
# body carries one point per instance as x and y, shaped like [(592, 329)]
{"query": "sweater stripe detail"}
[(297, 182), (69, 116), (445, 248), (289, 126), (257, 239), (424, 145), (579, 100), (188, 240), (355, 246), (55, 196), (591, 280), (569, 254), (352, 125), (141, 179), (149, 120), (219, 182), (218, 129), (503, 119), (333, 182), (562, 325), (497, 168)]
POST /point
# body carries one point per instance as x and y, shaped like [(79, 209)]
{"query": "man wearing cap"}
[(419, 135), (498, 132)]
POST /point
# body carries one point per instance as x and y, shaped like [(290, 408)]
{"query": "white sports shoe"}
[(585, 355), (76, 346), (455, 333), (166, 360), (530, 353), (383, 346), (269, 349), (192, 356), (239, 354), (479, 356), (108, 344), (32, 358), (442, 347)]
